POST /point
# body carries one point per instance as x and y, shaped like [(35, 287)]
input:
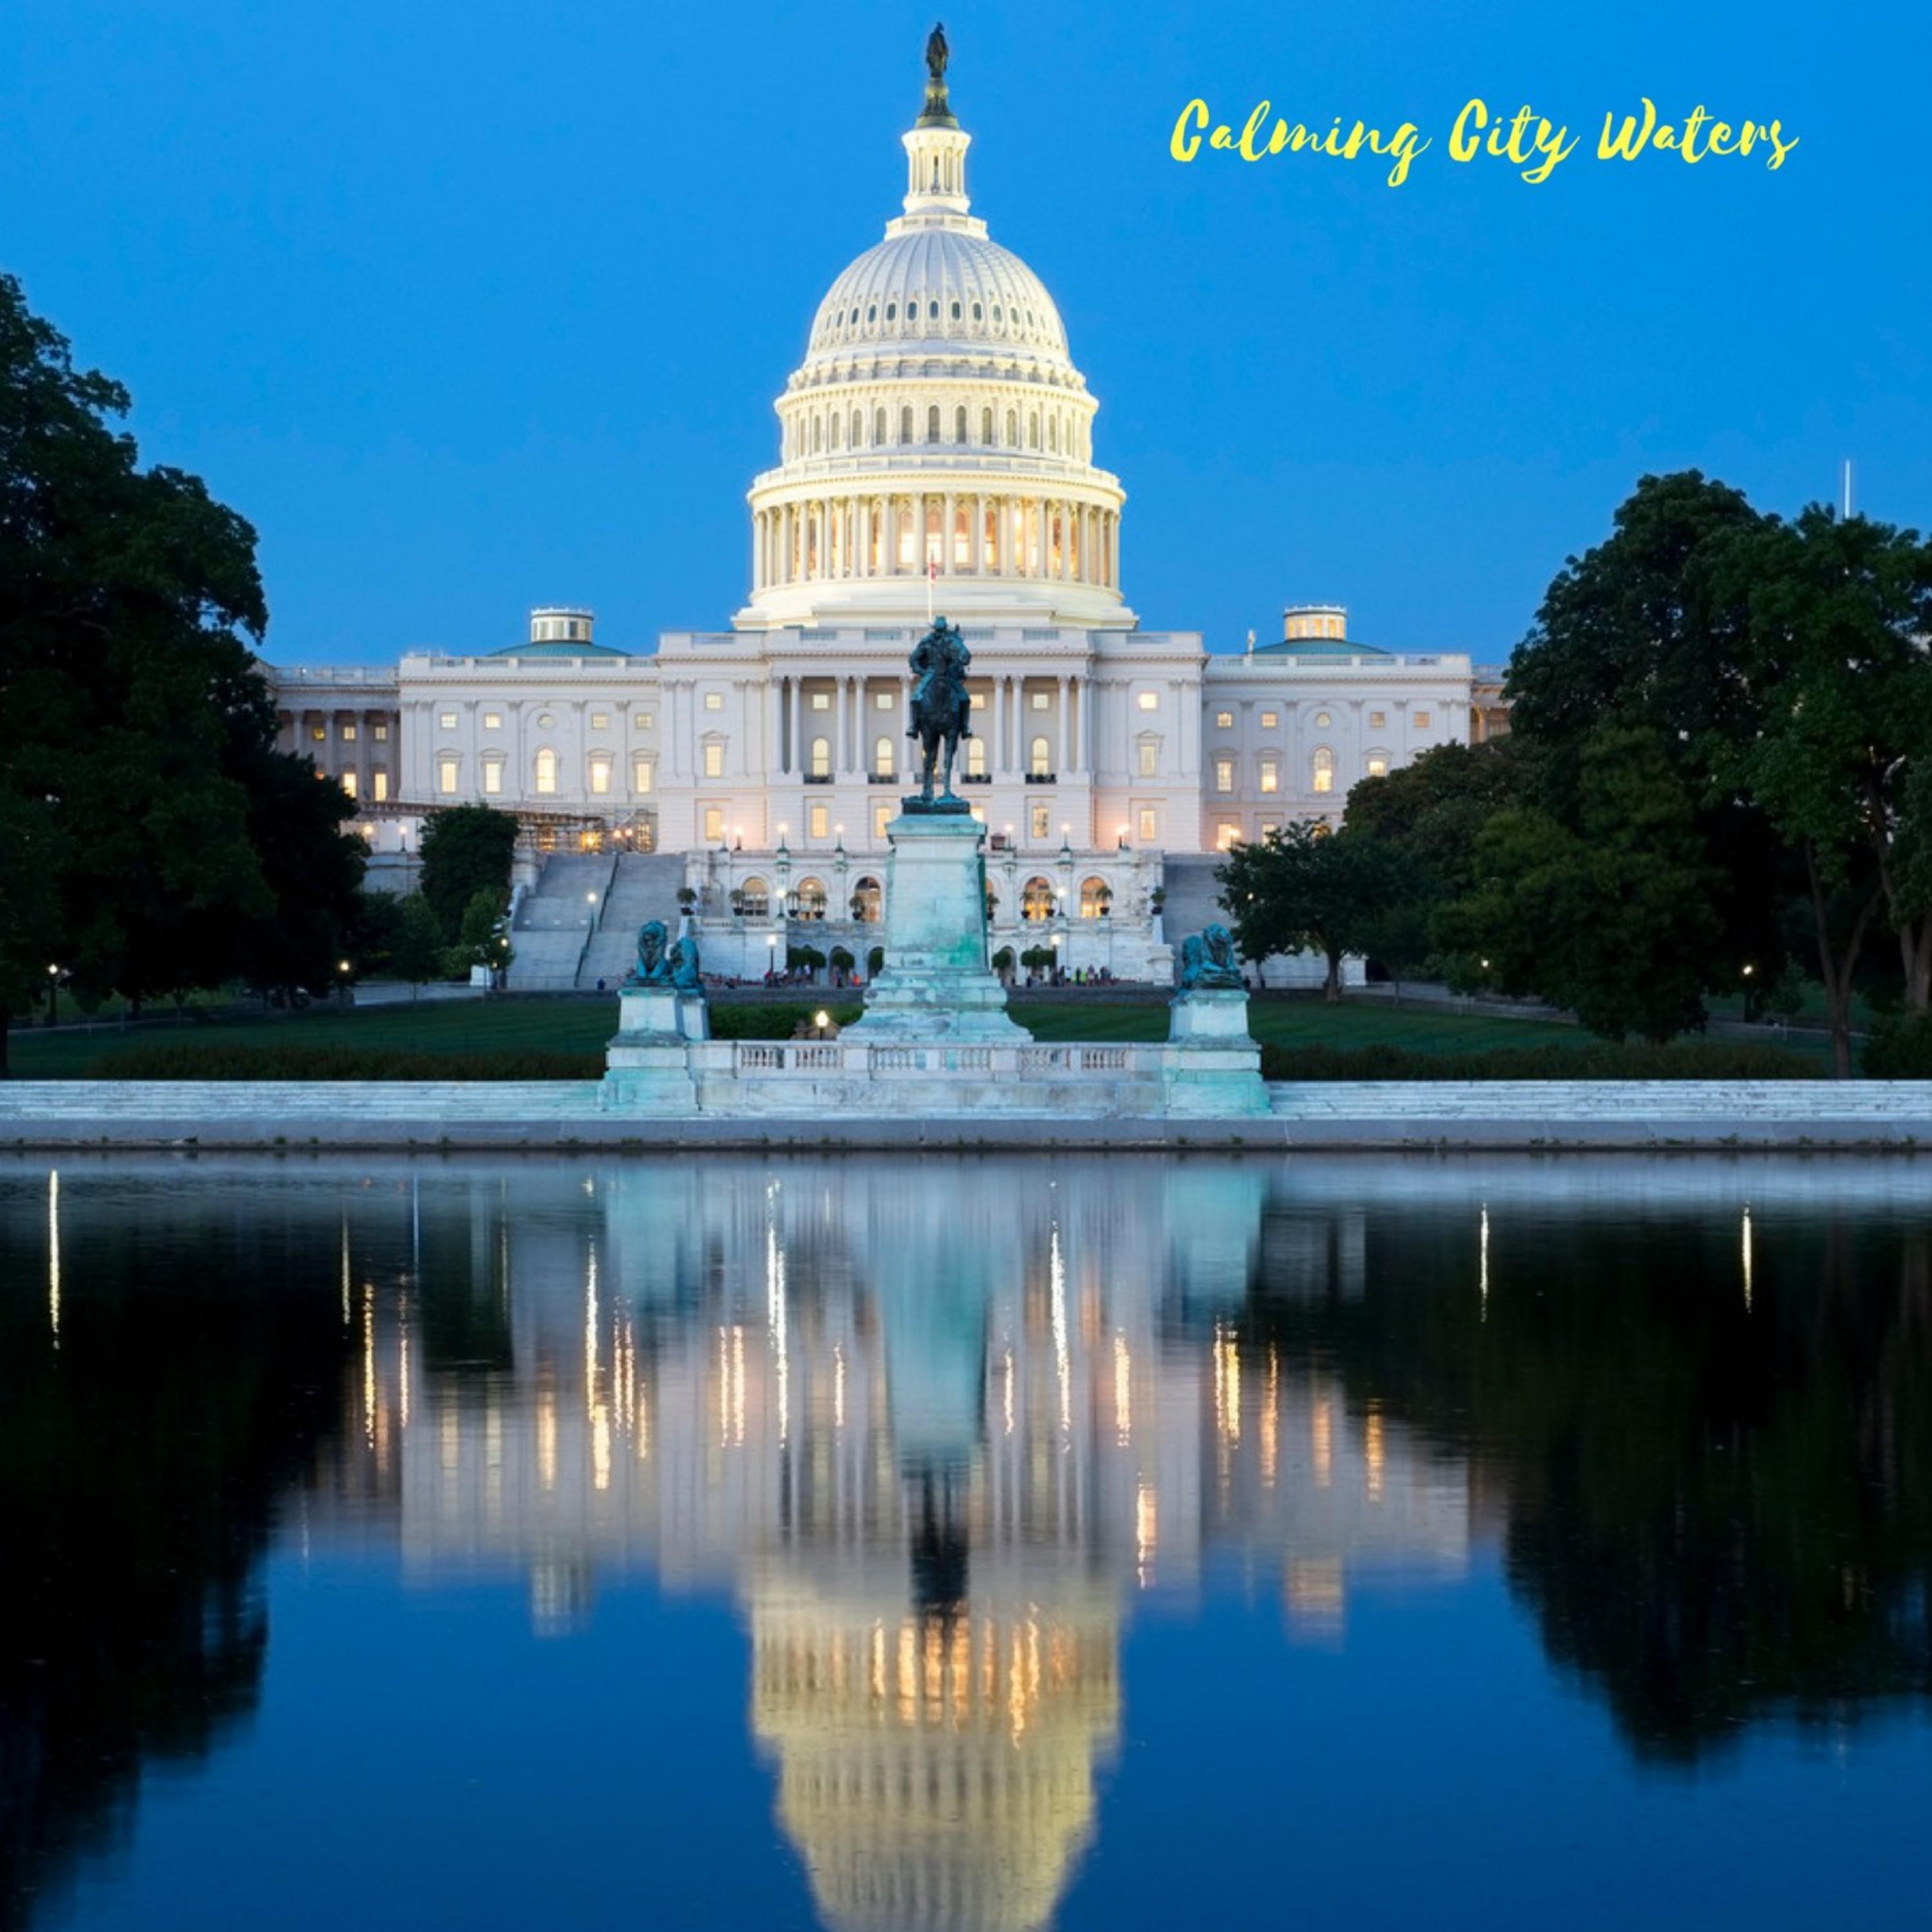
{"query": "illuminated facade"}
[(936, 452)]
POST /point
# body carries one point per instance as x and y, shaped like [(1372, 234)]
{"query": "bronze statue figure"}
[(936, 51), (682, 961), (653, 966), (1207, 963), (941, 708)]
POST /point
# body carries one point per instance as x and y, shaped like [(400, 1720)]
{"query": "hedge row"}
[(1687, 1059), (218, 1059)]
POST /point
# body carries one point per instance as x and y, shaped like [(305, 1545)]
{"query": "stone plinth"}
[(648, 1064), (936, 983), (1212, 1066)]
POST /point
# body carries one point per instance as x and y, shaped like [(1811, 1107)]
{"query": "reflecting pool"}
[(975, 1543)]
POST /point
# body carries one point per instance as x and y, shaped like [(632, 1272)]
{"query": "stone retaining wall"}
[(1545, 1115)]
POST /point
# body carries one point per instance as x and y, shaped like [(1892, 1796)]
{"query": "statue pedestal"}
[(647, 1066), (1212, 1065), (936, 983)]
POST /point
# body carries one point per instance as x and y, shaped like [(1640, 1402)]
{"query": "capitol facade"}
[(936, 455)]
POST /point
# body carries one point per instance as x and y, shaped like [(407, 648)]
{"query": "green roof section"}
[(1331, 649)]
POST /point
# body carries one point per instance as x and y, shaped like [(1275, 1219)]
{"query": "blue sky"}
[(469, 307)]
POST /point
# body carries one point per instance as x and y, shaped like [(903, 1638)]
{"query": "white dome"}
[(937, 291)]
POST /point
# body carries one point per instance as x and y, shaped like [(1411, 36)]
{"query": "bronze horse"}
[(942, 709)]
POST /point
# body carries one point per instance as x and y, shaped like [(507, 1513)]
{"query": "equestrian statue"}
[(941, 708)]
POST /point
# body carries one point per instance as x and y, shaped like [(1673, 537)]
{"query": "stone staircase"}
[(644, 886), (1193, 900), (555, 919)]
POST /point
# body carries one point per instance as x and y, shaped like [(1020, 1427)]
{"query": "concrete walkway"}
[(1547, 1116)]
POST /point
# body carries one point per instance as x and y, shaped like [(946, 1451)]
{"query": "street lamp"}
[(53, 996)]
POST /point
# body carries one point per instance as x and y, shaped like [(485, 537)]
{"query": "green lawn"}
[(580, 1025)]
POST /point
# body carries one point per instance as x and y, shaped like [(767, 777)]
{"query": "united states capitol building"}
[(936, 455)]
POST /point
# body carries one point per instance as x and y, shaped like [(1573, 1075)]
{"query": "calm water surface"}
[(978, 1544)]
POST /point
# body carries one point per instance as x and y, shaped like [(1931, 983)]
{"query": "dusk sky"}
[(471, 307)]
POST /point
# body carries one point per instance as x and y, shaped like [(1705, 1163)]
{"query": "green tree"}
[(1642, 631), (466, 849), (484, 937), (1838, 612), (419, 946), (142, 847), (1611, 918), (1306, 890)]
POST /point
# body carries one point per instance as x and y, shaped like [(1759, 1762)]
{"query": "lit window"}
[(714, 823), (1150, 827), (380, 733), (1149, 757), (643, 721), (1269, 721), (1039, 759), (1041, 821), (600, 720), (714, 700), (493, 720), (349, 783), (882, 817), (1322, 720), (1224, 721), (1271, 775), (1422, 720), (821, 701), (546, 771), (883, 700), (1038, 700), (1323, 775), (1377, 719), (1377, 766), (600, 775), (975, 758), (446, 776), (319, 733), (492, 775), (1147, 701), (818, 821), (447, 721), (644, 772), (714, 761), (1226, 836), (882, 757), (381, 783), (1224, 774), (1035, 900), (544, 720), (349, 734), (979, 700)]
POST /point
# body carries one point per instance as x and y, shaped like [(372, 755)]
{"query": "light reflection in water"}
[(934, 1497)]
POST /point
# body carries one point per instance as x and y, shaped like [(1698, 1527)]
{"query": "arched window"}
[(546, 771), (1323, 776), (811, 898), (1035, 900), (932, 311), (866, 901), (1053, 435), (892, 311), (1033, 429), (979, 314), (1012, 430), (905, 423), (1097, 898), (905, 545), (858, 429), (821, 758), (975, 758), (882, 757), (1039, 760), (817, 435), (754, 899), (932, 422), (832, 423), (996, 311), (959, 424), (879, 428), (955, 311), (986, 426)]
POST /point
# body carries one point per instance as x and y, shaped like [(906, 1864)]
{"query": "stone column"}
[(1062, 765), (976, 538), (948, 560), (794, 752)]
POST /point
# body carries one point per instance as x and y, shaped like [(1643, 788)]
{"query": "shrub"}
[(220, 1060), (1604, 1059), (1900, 1048), (773, 1022)]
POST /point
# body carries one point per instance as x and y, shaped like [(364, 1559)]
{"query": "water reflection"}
[(938, 1427)]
